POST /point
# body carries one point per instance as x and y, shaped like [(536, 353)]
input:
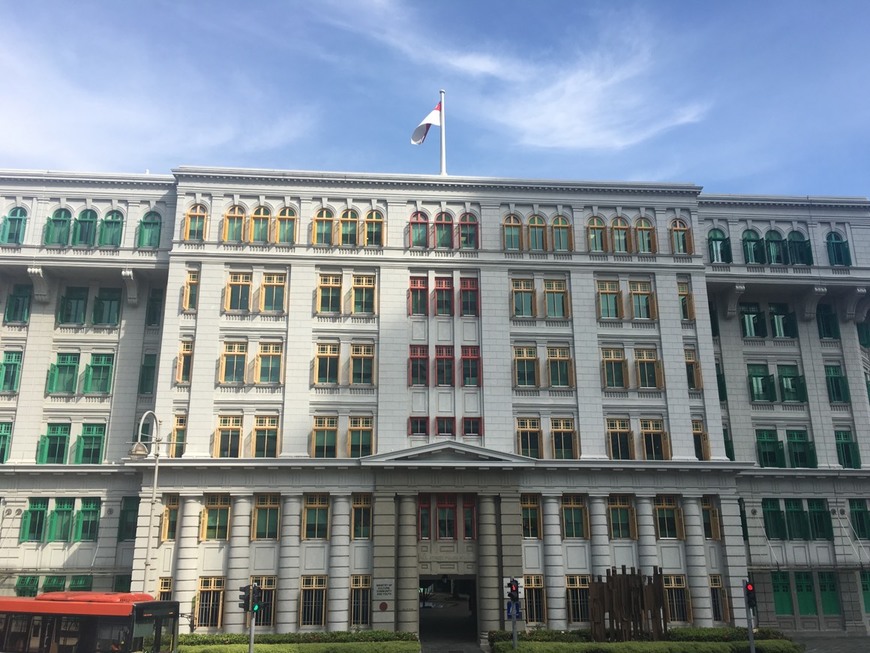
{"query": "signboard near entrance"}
[(385, 590)]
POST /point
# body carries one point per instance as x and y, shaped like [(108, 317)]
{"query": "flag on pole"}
[(434, 118)]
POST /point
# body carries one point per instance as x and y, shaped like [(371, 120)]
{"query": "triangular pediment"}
[(457, 454)]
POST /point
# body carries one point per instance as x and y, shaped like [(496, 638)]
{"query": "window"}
[(669, 518), (54, 584), (525, 367), (687, 304), (418, 296), (782, 322), (596, 235), (216, 517), (656, 444), (178, 437), (57, 229), (529, 437), (26, 586), (10, 371), (777, 252), (471, 366), (469, 298), (621, 517), (468, 234), (719, 247), (531, 509), (285, 227), (847, 449), (63, 375), (769, 449), (559, 367), (752, 321), (865, 590), (149, 231), (360, 437), (774, 520), (609, 300), (443, 296), (316, 516), (361, 528), (445, 516), (111, 229), (269, 362), (228, 443), (272, 297), (195, 224), (360, 600), (564, 438), (806, 595), (60, 521), (107, 307), (681, 238), (754, 252), (838, 249), (761, 384), (419, 230), (87, 524), (710, 518), (444, 366), (537, 234), (693, 369), (512, 230), (859, 517), (536, 609), (563, 240), (169, 521), (578, 597), (191, 291), (782, 600), (613, 370), (826, 320), (363, 293), (210, 602), (238, 292), (265, 616), (418, 365), (575, 522), (700, 440), (838, 387), (12, 229), (647, 368), (523, 291), (828, 593), (797, 520), (5, 440), (423, 518), (374, 229), (53, 446), (154, 308), (72, 306), (801, 452), (327, 363), (312, 609), (18, 305), (329, 294), (556, 297), (472, 427), (33, 521), (445, 426), (265, 436), (325, 437), (89, 447), (127, 518), (677, 598), (234, 225), (233, 363), (620, 236), (645, 236), (799, 250), (418, 426), (185, 362), (266, 510), (821, 526), (642, 300), (444, 231), (259, 227), (620, 440)]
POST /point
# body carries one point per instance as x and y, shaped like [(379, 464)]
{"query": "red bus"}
[(88, 622)]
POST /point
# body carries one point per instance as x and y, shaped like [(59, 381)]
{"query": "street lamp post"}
[(141, 451)]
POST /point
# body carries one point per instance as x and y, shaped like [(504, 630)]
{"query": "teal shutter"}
[(88, 379), (41, 450), (51, 381), (77, 527), (25, 526), (79, 449)]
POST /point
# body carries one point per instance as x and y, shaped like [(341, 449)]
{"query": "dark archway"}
[(448, 609)]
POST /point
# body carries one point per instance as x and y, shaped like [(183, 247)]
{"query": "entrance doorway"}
[(448, 609)]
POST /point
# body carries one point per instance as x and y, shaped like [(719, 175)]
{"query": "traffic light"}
[(245, 597), (256, 597), (514, 590), (751, 601)]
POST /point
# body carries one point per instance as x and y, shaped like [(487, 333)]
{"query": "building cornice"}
[(57, 177), (781, 201)]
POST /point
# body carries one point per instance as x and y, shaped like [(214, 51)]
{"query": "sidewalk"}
[(833, 642)]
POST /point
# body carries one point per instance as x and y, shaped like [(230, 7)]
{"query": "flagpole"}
[(443, 136)]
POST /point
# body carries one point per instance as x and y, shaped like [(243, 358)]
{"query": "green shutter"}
[(51, 380), (42, 450), (88, 379), (25, 526)]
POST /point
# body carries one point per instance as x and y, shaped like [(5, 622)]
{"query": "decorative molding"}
[(733, 298), (851, 305), (132, 284), (40, 283), (811, 302)]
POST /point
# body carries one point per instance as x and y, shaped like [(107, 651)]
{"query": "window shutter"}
[(620, 305), (605, 239), (715, 528), (598, 305), (41, 450), (681, 529), (632, 522), (51, 380), (25, 526), (79, 448), (609, 524), (631, 445), (77, 527), (656, 523), (586, 532), (52, 526), (653, 307), (660, 376), (88, 378), (691, 306), (202, 523), (666, 445), (654, 241), (603, 374)]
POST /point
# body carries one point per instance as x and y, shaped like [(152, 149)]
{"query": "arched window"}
[(799, 250), (718, 246), (681, 238), (419, 234), (596, 235), (444, 231), (644, 236), (195, 223), (468, 231), (777, 253), (260, 219), (234, 224), (620, 236), (513, 238), (838, 249), (537, 234), (753, 248), (285, 226), (85, 229), (149, 231), (112, 229), (57, 228), (374, 229), (349, 228), (323, 226), (12, 230), (562, 238)]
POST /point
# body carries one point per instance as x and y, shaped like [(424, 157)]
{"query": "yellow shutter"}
[(681, 529)]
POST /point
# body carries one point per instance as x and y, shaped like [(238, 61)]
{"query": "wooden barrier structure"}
[(628, 606)]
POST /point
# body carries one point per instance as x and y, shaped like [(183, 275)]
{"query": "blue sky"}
[(764, 96)]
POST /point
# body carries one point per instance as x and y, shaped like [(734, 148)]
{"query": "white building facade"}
[(359, 385)]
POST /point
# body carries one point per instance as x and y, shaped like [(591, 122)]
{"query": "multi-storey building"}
[(358, 385)]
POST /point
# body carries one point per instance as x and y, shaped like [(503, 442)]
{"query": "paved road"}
[(834, 643)]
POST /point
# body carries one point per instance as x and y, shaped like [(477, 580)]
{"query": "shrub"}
[(723, 634), (319, 647), (297, 638), (769, 646)]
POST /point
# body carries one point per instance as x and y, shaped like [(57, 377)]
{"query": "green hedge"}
[(320, 647), (297, 638), (683, 634), (764, 646)]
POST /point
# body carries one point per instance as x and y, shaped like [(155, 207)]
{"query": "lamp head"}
[(139, 450)]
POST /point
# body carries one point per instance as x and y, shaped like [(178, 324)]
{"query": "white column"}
[(287, 591), (238, 563), (600, 536), (696, 563), (554, 565), (647, 551), (337, 617)]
